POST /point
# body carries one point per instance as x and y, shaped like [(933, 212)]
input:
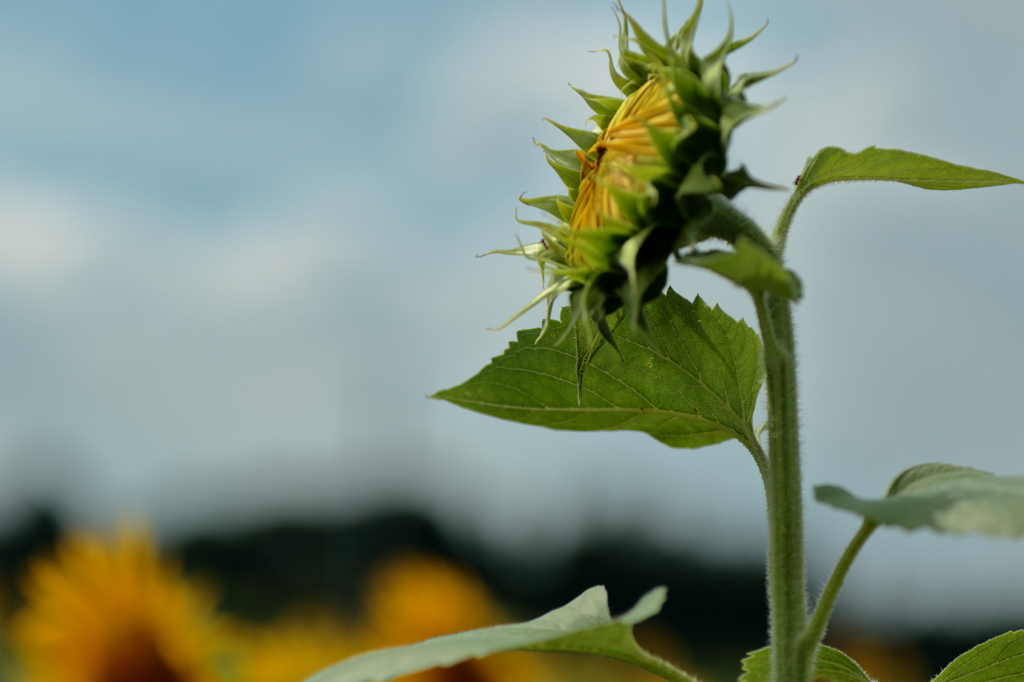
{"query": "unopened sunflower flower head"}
[(648, 181)]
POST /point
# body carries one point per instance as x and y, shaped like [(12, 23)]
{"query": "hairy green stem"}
[(730, 223), (815, 631), (787, 581), (781, 231)]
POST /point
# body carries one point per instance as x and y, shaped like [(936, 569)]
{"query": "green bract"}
[(645, 183)]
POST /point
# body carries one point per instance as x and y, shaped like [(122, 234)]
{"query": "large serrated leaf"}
[(696, 386), (584, 625), (945, 497), (1000, 658), (832, 665), (833, 164)]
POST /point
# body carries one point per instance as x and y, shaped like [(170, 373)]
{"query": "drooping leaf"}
[(999, 659), (945, 497), (695, 387), (584, 625), (751, 267), (833, 164), (832, 665)]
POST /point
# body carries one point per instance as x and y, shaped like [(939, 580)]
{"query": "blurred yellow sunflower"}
[(293, 647), (414, 597), (110, 610)]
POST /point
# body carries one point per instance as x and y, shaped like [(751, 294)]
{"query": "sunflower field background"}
[(278, 603), (237, 251)]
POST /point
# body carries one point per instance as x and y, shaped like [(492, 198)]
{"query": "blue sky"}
[(237, 248)]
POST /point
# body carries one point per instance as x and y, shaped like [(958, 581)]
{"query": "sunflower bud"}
[(648, 180)]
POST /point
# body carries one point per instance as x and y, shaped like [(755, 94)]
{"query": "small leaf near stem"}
[(1000, 658), (947, 498), (833, 164), (829, 664)]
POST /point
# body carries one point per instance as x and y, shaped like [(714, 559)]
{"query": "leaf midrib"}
[(638, 411)]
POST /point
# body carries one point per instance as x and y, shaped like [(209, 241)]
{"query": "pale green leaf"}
[(945, 497), (833, 164), (999, 659), (696, 386), (832, 665), (584, 625), (751, 267)]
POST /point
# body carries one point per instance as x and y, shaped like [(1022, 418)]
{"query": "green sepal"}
[(528, 250), (697, 181), (565, 163), (599, 104), (565, 208), (597, 245), (948, 498), (830, 664), (682, 41), (637, 64), (649, 172), (737, 44), (637, 279), (713, 72), (653, 50), (668, 141), (632, 204), (663, 140), (621, 82), (547, 227), (751, 267), (745, 80), (548, 204), (735, 181), (693, 95), (737, 111), (584, 139)]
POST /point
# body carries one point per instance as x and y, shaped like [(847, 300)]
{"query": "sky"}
[(237, 253)]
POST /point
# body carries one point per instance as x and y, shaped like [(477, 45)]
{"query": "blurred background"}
[(237, 248)]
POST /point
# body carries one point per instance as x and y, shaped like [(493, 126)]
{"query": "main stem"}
[(791, 661)]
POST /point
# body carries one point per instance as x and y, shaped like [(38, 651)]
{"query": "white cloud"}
[(44, 241)]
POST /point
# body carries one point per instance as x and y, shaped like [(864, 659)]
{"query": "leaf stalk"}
[(815, 631)]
